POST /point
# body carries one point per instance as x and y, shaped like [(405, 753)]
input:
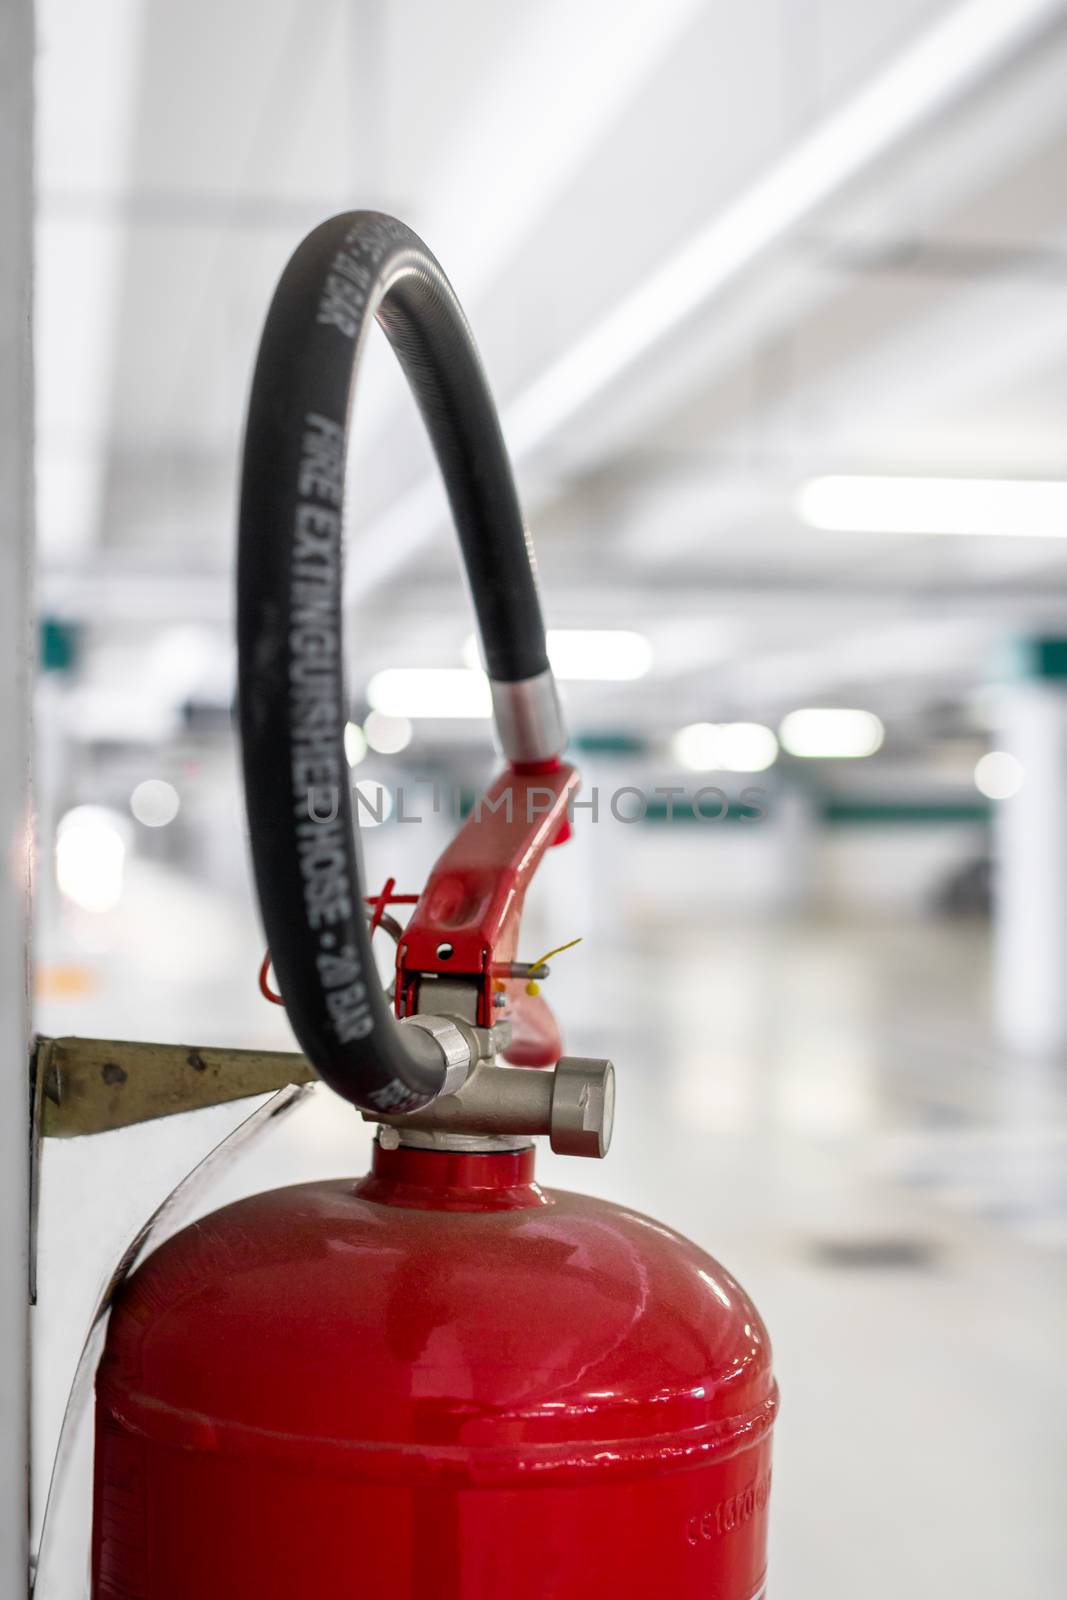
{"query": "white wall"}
[(16, 490)]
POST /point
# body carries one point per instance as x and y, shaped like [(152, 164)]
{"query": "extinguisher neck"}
[(452, 1180)]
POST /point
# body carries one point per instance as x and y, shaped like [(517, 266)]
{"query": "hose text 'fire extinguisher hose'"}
[(293, 704)]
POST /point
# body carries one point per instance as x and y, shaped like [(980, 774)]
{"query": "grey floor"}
[(820, 1105)]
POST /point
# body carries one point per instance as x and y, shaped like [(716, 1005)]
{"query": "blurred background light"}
[(998, 775), (155, 802), (388, 735), (725, 747), (935, 505), (831, 732), (355, 744), (90, 857), (413, 692)]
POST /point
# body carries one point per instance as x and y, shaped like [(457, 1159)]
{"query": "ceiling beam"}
[(949, 60)]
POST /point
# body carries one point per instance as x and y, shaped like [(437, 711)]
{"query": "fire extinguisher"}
[(438, 1381)]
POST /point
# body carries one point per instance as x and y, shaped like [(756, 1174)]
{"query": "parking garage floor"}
[(820, 1105)]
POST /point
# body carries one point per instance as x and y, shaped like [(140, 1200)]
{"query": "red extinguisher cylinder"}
[(439, 1382)]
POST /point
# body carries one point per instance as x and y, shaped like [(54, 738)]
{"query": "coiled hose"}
[(292, 700)]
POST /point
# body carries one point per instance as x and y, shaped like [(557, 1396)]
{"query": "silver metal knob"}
[(583, 1106)]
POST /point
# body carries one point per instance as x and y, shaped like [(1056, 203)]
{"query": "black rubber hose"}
[(291, 691)]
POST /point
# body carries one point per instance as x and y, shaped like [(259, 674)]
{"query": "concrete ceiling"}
[(901, 311)]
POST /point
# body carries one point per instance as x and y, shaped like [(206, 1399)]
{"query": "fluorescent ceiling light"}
[(935, 505), (998, 775), (430, 692), (725, 747), (588, 655), (831, 732)]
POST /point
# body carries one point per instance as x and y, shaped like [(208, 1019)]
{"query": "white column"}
[(1030, 869), (16, 479)]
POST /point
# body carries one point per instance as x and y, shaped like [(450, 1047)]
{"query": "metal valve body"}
[(439, 1380)]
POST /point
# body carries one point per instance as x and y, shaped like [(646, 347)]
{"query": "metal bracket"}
[(85, 1086), (80, 1086)]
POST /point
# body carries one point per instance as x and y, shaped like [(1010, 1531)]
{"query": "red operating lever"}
[(466, 922)]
